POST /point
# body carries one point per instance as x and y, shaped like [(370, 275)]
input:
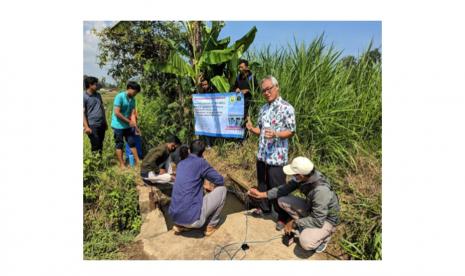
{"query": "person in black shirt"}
[(205, 87), (246, 83)]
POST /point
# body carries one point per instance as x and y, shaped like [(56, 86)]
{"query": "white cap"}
[(300, 165)]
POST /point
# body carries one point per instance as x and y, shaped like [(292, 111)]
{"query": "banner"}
[(219, 114)]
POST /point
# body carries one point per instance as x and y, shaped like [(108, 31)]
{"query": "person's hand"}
[(248, 125), (87, 130), (253, 192), (208, 186), (173, 177), (289, 227), (238, 90), (269, 133), (137, 131)]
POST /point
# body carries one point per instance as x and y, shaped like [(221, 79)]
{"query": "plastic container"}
[(129, 157)]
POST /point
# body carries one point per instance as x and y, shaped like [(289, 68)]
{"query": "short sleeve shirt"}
[(279, 116), (93, 109), (126, 105)]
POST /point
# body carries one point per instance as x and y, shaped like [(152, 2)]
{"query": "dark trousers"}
[(96, 138), (269, 177), (247, 99)]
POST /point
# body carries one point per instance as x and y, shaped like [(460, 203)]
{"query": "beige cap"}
[(300, 165)]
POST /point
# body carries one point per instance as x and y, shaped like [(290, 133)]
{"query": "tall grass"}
[(338, 108)]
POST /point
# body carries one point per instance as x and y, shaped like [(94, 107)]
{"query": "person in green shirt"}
[(154, 167), (122, 122)]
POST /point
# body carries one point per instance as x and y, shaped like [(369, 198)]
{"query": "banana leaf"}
[(217, 56), (177, 66), (221, 83), (246, 40)]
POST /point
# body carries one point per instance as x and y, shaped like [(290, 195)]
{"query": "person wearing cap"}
[(315, 217), (276, 124)]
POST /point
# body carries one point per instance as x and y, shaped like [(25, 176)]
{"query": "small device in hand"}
[(288, 239)]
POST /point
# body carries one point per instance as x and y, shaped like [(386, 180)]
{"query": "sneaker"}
[(210, 230), (280, 225), (178, 229), (321, 247)]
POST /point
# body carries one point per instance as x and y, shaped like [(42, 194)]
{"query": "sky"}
[(350, 37)]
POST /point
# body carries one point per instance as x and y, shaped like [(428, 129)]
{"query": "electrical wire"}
[(243, 245)]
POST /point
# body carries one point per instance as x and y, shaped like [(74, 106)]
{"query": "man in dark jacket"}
[(246, 83), (206, 87), (155, 163), (314, 217)]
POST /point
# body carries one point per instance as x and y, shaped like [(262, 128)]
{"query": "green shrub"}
[(111, 205)]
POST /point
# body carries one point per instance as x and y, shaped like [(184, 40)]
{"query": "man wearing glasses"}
[(276, 124)]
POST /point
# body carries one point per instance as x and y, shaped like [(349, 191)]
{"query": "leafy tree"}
[(128, 45)]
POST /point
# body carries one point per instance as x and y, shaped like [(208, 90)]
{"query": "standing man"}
[(316, 216), (206, 87), (124, 108), (95, 122), (276, 124), (246, 83)]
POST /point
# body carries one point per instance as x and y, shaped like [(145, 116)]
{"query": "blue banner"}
[(219, 114)]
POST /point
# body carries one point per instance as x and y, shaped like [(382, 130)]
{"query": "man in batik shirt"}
[(276, 124)]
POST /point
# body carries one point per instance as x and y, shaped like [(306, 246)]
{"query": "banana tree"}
[(204, 54)]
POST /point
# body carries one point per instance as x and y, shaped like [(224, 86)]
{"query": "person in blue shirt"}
[(123, 120), (189, 208)]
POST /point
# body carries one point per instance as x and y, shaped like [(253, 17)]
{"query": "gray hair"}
[(273, 80)]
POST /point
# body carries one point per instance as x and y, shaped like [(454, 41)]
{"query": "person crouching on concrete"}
[(153, 169), (314, 217), (189, 208)]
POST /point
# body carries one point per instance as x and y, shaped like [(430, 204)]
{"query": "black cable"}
[(244, 246)]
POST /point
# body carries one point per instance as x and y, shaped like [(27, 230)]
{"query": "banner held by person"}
[(219, 114)]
